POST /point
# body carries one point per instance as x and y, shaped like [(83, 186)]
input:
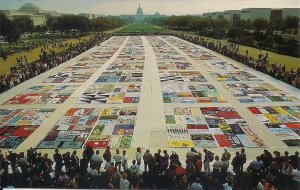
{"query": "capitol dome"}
[(139, 11), (30, 7)]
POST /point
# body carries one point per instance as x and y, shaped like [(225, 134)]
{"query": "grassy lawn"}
[(289, 61), (140, 28), (31, 56)]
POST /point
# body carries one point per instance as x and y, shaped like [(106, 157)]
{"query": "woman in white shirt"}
[(124, 161), (217, 164), (138, 156)]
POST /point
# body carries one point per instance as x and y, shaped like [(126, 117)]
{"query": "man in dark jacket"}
[(74, 161), (236, 163), (295, 161), (107, 155), (58, 162)]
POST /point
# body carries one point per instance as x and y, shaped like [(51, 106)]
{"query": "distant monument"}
[(139, 17)]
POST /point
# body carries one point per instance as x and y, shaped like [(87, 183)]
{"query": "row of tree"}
[(13, 29), (68, 23), (257, 33), (257, 25)]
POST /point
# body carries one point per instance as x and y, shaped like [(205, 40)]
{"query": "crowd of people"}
[(48, 59), (26, 47), (112, 170), (261, 63)]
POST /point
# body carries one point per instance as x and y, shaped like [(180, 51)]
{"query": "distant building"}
[(290, 12), (217, 15), (254, 13), (233, 16), (32, 11), (157, 14), (207, 15), (90, 15)]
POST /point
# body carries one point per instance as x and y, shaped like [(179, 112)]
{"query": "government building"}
[(32, 11), (253, 13)]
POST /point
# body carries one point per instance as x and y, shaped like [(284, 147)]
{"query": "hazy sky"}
[(169, 7)]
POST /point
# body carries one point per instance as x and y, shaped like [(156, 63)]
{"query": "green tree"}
[(40, 28), (245, 24), (259, 25), (277, 24), (3, 23), (235, 32), (24, 24), (178, 22), (219, 28), (103, 23), (9, 29), (292, 22), (52, 24), (196, 23), (220, 23)]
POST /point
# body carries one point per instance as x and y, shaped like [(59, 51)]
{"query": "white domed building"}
[(32, 11), (30, 8), (139, 17)]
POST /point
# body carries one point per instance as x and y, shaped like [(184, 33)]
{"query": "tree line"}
[(285, 25), (12, 30), (258, 33)]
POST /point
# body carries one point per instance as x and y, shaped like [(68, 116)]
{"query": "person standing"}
[(96, 160), (217, 164), (134, 174), (236, 163), (138, 156), (266, 158), (165, 162), (206, 162), (190, 155), (74, 161), (243, 159), (118, 159), (58, 163), (124, 161), (107, 155), (89, 152), (124, 183), (295, 160), (196, 185), (256, 167), (147, 158), (67, 161), (225, 158)]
